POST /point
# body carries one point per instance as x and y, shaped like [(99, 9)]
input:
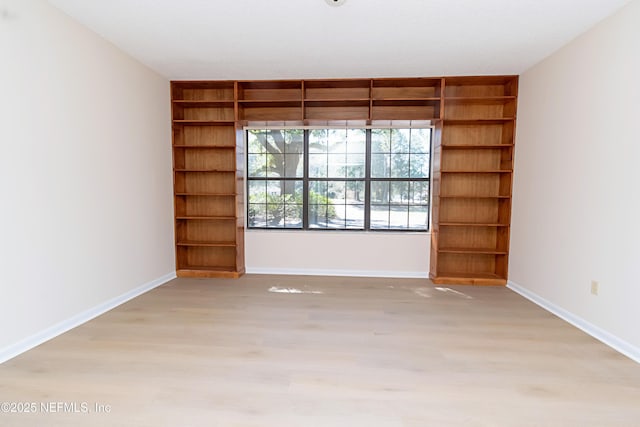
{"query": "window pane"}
[(397, 205), (419, 193), (318, 141), (256, 140), (276, 153), (275, 203), (336, 165), (356, 141), (420, 141), (336, 191), (379, 217), (418, 217), (317, 165), (380, 165), (355, 165), (380, 140), (319, 188), (257, 215), (336, 204), (292, 212), (354, 192), (257, 164), (294, 141), (293, 165), (400, 139), (399, 192), (399, 165), (354, 216), (399, 216), (321, 210), (380, 192), (337, 140), (419, 166), (257, 191)]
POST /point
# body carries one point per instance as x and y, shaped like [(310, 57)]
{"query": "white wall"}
[(337, 253), (576, 213), (85, 174)]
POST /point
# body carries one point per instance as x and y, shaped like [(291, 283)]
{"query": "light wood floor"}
[(355, 352)]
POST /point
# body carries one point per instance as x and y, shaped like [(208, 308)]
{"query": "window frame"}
[(367, 179)]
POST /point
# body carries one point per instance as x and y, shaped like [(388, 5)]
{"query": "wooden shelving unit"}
[(207, 192), (336, 100), (319, 102), (405, 99), (279, 100), (473, 148), (474, 169)]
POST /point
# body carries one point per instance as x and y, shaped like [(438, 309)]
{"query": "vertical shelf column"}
[(208, 241), (470, 242)]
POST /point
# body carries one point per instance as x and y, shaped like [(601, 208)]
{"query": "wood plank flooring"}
[(323, 351)]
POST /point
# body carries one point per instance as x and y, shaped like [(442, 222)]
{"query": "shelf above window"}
[(337, 110), (203, 104), (326, 90), (482, 121), (204, 122), (474, 146), (207, 218), (206, 244), (201, 194), (277, 90), (206, 147), (270, 110), (488, 251), (478, 171), (475, 197), (409, 88), (472, 224), (194, 170), (215, 91)]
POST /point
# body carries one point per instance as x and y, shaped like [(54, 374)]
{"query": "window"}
[(341, 179)]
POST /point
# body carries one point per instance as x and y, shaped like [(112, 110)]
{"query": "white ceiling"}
[(271, 39)]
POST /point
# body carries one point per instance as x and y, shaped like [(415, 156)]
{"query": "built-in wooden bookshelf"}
[(208, 219), (470, 234), (473, 148)]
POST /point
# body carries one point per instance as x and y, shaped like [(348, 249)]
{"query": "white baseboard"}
[(598, 333), (59, 328), (346, 273)]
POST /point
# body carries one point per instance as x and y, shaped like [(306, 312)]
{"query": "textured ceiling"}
[(263, 39)]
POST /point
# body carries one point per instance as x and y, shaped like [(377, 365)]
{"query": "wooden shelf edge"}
[(337, 100), (470, 251), (204, 122), (472, 224), (204, 103), (270, 102), (206, 194), (475, 146), (401, 99), (485, 121), (478, 171), (479, 99), (208, 244), (475, 197), (209, 273), (462, 279), (204, 217), (210, 147)]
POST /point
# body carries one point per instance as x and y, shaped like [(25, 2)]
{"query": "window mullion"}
[(305, 181), (367, 181)]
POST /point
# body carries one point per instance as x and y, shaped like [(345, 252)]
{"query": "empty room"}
[(319, 213)]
